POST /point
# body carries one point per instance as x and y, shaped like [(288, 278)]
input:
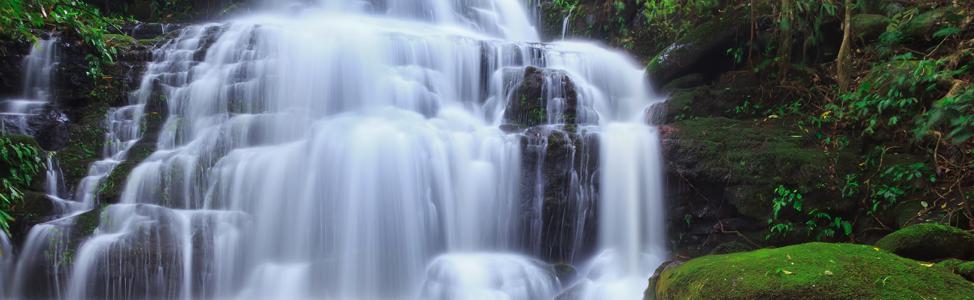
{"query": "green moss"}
[(753, 157), (811, 271), (85, 143), (949, 265), (120, 40), (930, 241), (966, 270), (86, 223)]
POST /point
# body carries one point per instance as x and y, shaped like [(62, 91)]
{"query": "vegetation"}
[(811, 271), (30, 19), (20, 163)]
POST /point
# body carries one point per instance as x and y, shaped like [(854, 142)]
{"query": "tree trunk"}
[(784, 48), (842, 62)]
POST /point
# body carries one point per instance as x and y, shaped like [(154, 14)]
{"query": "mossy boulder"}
[(810, 271), (924, 25), (869, 26), (702, 50), (966, 270), (930, 242)]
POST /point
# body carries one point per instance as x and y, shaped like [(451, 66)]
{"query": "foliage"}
[(817, 223), (27, 18), (890, 98), (21, 162)]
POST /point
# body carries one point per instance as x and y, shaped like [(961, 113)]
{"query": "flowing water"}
[(36, 93), (362, 150)]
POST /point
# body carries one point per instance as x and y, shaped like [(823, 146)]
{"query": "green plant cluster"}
[(820, 224), (26, 19), (21, 162)]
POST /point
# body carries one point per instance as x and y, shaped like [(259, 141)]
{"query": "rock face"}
[(560, 191), (809, 271), (930, 242), (11, 63)]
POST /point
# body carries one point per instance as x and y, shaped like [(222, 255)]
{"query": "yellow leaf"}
[(828, 273), (786, 272), (927, 264)]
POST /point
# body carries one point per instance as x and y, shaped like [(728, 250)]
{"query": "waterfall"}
[(429, 149), (38, 67)]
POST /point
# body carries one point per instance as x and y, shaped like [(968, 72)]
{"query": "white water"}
[(353, 150), (38, 70)]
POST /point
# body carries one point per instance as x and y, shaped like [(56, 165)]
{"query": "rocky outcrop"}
[(560, 191), (930, 242), (809, 271), (12, 54), (544, 96), (703, 50)]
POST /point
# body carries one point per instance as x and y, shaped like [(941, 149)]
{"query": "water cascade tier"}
[(420, 149)]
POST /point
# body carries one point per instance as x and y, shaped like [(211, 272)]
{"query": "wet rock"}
[(930, 242), (50, 128), (544, 96), (141, 31), (560, 177)]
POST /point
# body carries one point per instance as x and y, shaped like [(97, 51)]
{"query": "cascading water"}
[(371, 150), (38, 69)]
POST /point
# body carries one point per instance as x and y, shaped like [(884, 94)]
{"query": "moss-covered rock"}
[(966, 270), (924, 25), (702, 50), (869, 26), (929, 242), (810, 271), (750, 158)]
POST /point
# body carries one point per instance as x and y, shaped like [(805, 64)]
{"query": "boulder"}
[(924, 25), (869, 26), (966, 270), (930, 242), (810, 271), (702, 50)]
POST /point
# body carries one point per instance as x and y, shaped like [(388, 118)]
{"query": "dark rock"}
[(560, 177), (966, 270), (688, 81), (731, 247), (930, 242), (702, 50), (12, 54), (537, 92), (141, 31), (50, 128)]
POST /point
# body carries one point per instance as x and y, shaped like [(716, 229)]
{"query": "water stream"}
[(361, 150)]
